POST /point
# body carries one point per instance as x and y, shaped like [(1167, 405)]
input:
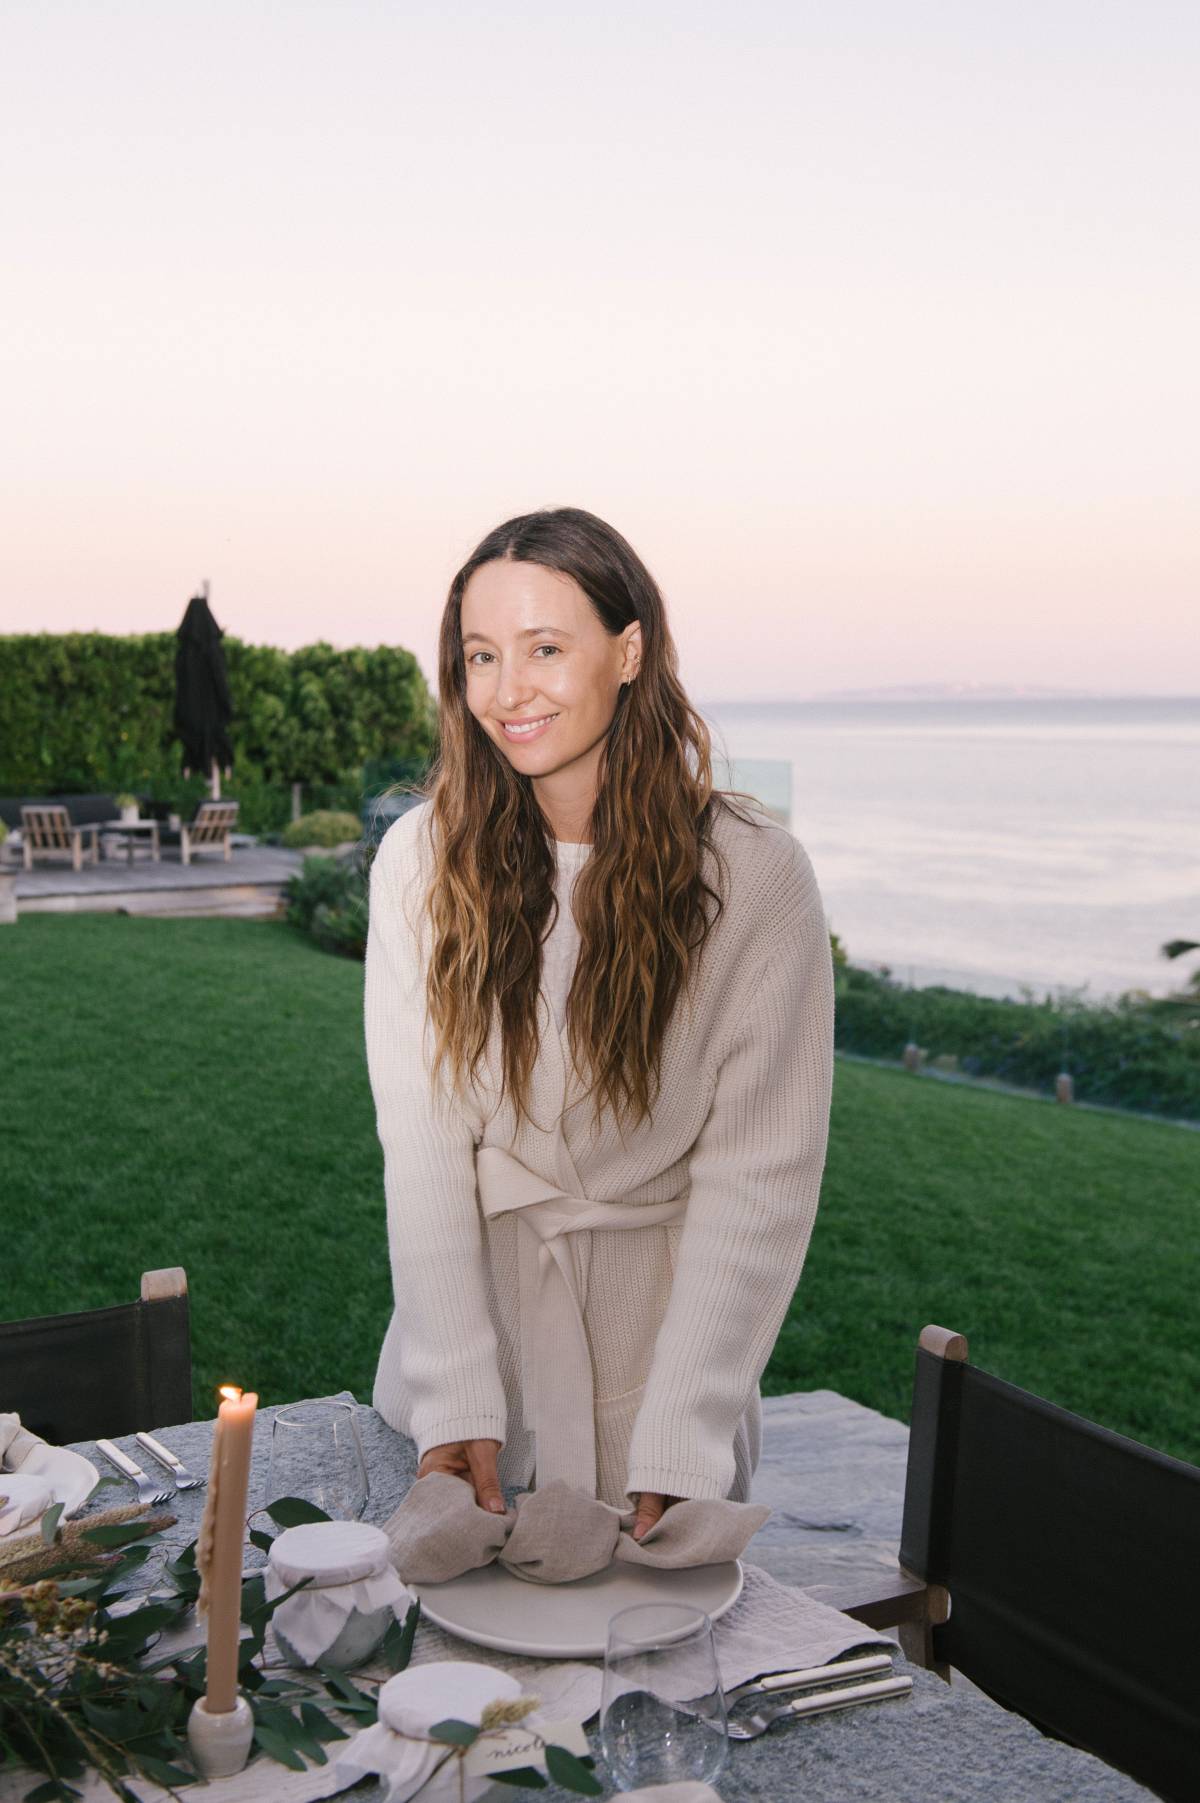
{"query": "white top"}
[(560, 948)]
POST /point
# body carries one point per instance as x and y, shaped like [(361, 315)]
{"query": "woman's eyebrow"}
[(530, 632)]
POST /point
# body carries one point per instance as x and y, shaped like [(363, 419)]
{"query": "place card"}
[(508, 1749)]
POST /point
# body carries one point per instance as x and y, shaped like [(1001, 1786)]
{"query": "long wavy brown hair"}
[(642, 903)]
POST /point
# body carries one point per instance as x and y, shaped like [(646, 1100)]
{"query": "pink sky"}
[(873, 328)]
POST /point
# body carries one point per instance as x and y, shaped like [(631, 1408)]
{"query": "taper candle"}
[(221, 1544)]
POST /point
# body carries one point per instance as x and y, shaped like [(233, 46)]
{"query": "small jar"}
[(341, 1617)]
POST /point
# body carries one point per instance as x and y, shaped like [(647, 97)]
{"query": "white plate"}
[(71, 1477), (567, 1621)]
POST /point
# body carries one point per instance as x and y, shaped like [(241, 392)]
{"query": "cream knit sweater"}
[(679, 1319)]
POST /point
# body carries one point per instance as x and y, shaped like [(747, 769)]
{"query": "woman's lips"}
[(530, 732)]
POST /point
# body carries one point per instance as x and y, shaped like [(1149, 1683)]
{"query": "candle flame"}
[(230, 1392)]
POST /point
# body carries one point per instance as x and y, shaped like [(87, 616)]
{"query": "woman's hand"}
[(475, 1462), (650, 1509)]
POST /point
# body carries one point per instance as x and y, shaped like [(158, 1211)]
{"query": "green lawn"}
[(195, 1093)]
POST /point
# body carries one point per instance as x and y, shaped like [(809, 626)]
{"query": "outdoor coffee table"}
[(132, 831), (943, 1742)]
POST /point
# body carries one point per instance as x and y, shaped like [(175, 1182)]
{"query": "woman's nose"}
[(511, 690)]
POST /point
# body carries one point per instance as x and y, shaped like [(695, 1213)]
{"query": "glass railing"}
[(769, 780)]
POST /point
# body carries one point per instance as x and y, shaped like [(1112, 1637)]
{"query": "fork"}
[(149, 1494), (184, 1479), (819, 1702)]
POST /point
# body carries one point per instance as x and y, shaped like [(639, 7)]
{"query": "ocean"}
[(1005, 846)]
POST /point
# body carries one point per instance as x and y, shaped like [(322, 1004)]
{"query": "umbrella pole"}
[(216, 781)]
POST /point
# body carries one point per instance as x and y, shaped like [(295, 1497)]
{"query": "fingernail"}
[(496, 1506)]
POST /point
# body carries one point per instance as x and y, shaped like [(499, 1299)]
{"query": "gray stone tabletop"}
[(833, 1473)]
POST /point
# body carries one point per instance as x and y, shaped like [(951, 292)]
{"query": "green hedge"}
[(1137, 1054), (83, 712)]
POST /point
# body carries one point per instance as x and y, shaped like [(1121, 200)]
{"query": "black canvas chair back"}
[(104, 1372), (1072, 1559)]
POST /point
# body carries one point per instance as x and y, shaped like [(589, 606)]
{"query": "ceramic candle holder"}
[(220, 1744)]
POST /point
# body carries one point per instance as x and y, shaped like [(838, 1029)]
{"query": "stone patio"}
[(250, 885)]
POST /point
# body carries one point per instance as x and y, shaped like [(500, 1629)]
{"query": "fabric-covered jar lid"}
[(413, 1700), (328, 1552)]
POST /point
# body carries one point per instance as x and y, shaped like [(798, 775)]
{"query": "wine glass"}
[(317, 1454), (662, 1712)]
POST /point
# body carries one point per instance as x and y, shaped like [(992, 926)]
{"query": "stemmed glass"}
[(662, 1712), (317, 1454)]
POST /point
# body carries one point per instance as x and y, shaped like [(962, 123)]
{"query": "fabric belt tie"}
[(556, 1361)]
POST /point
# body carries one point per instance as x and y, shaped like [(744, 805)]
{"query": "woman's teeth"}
[(528, 726)]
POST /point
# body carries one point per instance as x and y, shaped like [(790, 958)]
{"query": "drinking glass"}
[(662, 1713), (316, 1453)]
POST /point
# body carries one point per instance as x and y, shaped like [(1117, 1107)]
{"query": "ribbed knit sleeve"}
[(755, 1177), (437, 1378)]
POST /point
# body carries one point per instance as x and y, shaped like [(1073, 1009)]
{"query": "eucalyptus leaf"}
[(571, 1773), (163, 1772), (103, 1483), (264, 1542), (319, 1724), (50, 1521), (526, 1777), (341, 1688), (292, 1511), (117, 1533), (397, 1645), (455, 1733), (278, 1749)]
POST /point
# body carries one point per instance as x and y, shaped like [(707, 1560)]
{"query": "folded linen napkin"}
[(16, 1443), (556, 1534), (22, 1499)]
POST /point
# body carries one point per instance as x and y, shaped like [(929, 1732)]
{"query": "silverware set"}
[(150, 1491), (840, 1685)]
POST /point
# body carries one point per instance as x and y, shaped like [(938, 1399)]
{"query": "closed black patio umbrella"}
[(203, 709)]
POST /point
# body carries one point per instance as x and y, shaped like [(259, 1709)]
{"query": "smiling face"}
[(543, 679)]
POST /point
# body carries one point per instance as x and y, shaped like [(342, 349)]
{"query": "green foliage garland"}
[(77, 1690)]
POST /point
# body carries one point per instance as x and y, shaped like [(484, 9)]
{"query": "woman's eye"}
[(472, 656)]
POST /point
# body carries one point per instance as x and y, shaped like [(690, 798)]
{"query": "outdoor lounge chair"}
[(107, 1371), (47, 831), (1053, 1563), (208, 830)]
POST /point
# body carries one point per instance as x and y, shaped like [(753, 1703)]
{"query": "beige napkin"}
[(16, 1443), (555, 1535)]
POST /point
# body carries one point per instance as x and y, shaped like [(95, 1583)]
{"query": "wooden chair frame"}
[(47, 831), (210, 830)]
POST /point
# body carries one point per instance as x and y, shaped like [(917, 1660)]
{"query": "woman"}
[(588, 1293)]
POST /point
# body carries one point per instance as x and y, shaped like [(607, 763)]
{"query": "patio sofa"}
[(85, 810)]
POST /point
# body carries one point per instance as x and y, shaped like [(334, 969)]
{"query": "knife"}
[(809, 1675)]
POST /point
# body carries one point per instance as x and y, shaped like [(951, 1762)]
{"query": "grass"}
[(195, 1093)]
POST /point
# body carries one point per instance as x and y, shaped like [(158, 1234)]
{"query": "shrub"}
[(325, 827), (328, 900), (86, 712), (1137, 1053)]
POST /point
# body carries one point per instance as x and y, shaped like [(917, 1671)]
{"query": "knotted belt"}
[(556, 1362)]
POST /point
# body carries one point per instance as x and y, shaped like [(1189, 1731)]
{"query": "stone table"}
[(834, 1474)]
